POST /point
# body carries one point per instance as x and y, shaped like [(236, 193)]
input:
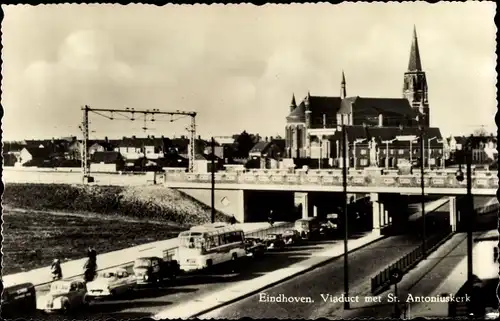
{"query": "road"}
[(145, 303), (323, 281), (423, 281)]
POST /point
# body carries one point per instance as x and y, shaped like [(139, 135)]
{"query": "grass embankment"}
[(61, 221)]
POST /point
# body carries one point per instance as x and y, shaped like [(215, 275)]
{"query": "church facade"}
[(311, 124)]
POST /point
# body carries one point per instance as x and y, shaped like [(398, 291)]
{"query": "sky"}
[(237, 66)]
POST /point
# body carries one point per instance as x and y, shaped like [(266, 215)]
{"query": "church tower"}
[(415, 83), (343, 92)]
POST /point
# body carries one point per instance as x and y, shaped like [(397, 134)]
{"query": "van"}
[(18, 300), (308, 228)]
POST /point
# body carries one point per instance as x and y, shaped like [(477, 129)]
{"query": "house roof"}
[(140, 142), (260, 147), (37, 152), (388, 133), (319, 106), (106, 157), (372, 107)]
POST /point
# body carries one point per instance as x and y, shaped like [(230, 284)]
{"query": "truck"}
[(154, 270)]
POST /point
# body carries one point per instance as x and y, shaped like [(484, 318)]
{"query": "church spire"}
[(414, 64), (293, 104), (343, 93)]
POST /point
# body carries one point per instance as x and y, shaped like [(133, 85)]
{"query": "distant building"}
[(34, 156), (106, 162)]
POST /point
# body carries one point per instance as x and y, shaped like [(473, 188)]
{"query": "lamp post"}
[(387, 142), (422, 186), (429, 151), (212, 169), (466, 153), (320, 156), (357, 141), (344, 185)]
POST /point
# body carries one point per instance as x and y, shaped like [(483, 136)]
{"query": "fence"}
[(382, 280), (276, 229)]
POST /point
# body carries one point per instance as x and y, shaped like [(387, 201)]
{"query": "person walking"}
[(56, 270)]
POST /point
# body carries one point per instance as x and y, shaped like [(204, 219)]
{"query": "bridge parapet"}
[(435, 179)]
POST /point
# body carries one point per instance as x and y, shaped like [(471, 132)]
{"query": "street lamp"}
[(429, 151), (357, 141), (344, 185), (387, 142), (466, 153), (212, 169), (422, 186)]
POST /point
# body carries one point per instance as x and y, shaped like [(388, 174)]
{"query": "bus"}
[(205, 246)]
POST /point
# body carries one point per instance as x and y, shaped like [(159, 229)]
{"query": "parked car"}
[(254, 246), (110, 283), (274, 241), (18, 301), (64, 296), (291, 237), (152, 270)]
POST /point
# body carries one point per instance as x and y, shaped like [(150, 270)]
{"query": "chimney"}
[(380, 120), (106, 139), (133, 136), (152, 136), (199, 137), (124, 137), (267, 139), (271, 138)]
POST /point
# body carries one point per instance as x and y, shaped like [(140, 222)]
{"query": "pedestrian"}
[(56, 270), (271, 218)]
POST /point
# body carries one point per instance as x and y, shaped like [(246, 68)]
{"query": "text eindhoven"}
[(281, 298)]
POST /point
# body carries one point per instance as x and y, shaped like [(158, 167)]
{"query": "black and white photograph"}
[(290, 161)]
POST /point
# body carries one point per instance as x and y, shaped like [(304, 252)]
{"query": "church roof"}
[(375, 106), (327, 106), (414, 64)]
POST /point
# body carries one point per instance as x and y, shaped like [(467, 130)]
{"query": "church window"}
[(362, 151), (363, 162), (401, 151)]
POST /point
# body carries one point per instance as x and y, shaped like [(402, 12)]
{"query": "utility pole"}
[(212, 191), (346, 231), (112, 112), (422, 186), (470, 212), (85, 129)]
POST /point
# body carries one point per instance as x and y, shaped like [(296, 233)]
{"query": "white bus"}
[(207, 245)]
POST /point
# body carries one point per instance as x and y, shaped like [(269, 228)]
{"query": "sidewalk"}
[(108, 260), (443, 271), (245, 288)]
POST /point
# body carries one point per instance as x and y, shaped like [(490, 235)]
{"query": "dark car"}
[(254, 246), (153, 270), (274, 241), (329, 228), (291, 237), (18, 301)]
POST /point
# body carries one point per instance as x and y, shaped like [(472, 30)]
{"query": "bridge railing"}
[(438, 179), (381, 281)]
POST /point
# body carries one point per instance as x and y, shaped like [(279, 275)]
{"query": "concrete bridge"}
[(251, 195)]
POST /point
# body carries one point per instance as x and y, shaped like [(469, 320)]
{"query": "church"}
[(316, 119)]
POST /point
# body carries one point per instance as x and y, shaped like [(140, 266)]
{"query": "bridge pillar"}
[(453, 213), (315, 211), (386, 218), (375, 212), (382, 214), (302, 199)]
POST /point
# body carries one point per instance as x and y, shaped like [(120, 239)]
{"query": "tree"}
[(244, 144)]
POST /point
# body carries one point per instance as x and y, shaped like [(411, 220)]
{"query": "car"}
[(18, 300), (274, 241), (153, 270), (254, 246), (110, 283), (291, 237), (63, 296)]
